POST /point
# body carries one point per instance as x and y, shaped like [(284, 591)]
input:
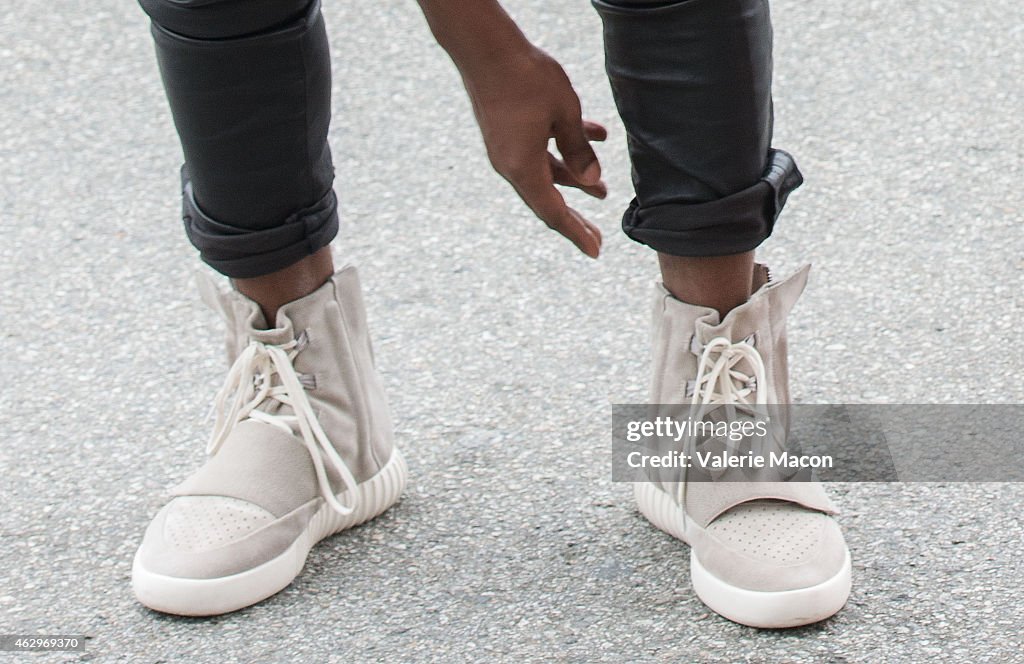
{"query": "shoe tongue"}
[(282, 334)]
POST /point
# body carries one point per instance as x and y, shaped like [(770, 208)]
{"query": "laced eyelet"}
[(718, 379)]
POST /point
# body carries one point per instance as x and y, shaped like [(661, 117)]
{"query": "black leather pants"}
[(248, 83), (692, 82)]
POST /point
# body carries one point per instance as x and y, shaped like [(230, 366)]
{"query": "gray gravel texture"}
[(502, 348)]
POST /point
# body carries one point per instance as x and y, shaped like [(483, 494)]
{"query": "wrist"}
[(487, 52), (479, 37)]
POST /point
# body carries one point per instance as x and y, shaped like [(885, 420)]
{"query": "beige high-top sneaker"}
[(764, 554), (301, 449)]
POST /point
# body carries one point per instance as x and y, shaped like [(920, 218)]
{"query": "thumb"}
[(576, 152)]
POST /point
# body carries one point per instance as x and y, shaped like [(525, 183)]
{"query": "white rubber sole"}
[(208, 597), (766, 610)]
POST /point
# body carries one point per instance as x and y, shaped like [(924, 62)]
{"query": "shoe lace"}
[(721, 384), (249, 385)]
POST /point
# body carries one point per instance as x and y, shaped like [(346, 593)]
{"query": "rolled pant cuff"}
[(243, 253), (731, 225)]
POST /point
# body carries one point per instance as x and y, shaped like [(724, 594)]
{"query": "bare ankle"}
[(720, 282), (271, 291)]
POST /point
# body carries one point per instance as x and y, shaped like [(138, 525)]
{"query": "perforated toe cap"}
[(201, 523), (204, 537), (773, 545)]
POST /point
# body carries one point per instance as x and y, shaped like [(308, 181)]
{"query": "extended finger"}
[(539, 193), (564, 176), (594, 131), (576, 152)]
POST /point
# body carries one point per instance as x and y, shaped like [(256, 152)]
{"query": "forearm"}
[(478, 35)]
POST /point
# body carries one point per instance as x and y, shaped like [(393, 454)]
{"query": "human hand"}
[(521, 103)]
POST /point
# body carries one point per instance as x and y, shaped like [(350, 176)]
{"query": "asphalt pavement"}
[(502, 348)]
